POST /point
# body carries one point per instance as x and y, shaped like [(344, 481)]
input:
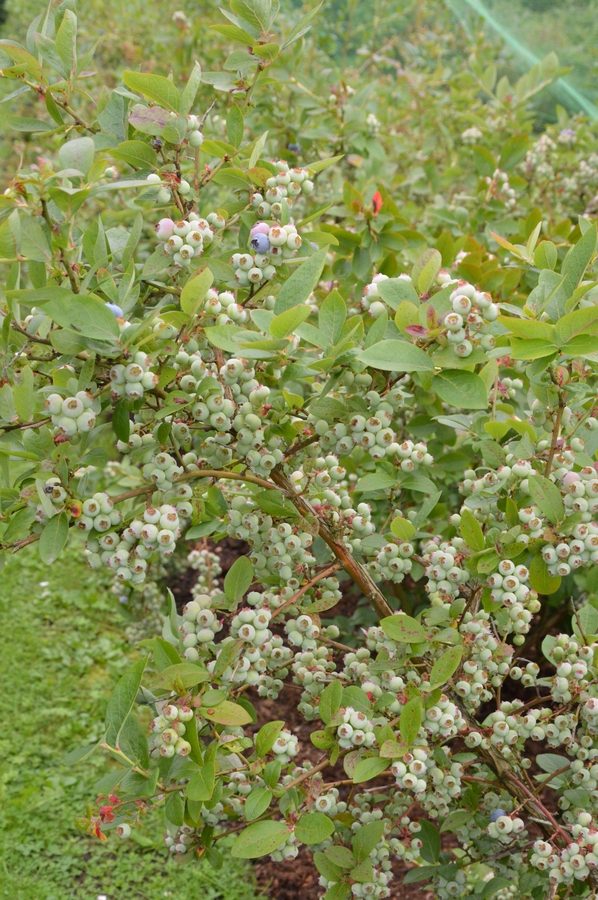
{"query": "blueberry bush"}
[(346, 322)]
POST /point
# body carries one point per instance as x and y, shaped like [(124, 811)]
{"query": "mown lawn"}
[(63, 647)]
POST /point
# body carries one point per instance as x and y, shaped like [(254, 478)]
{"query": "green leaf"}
[(234, 125), (180, 676), (410, 720), (531, 348), (402, 528), (85, 314), (528, 328), (189, 92), (157, 88), (577, 323), (226, 713), (121, 423), (299, 286), (286, 322), (403, 629), (23, 58), (330, 701), (547, 497), (195, 290), (340, 856), (122, 701), (376, 481), (461, 389), (363, 872), (321, 164), (407, 314), (471, 530), (367, 839), (266, 736), (238, 579), (545, 255), (396, 291), (53, 538), (8, 244), (445, 666), (66, 40), (393, 750), (578, 258), (24, 395), (430, 838), (313, 828), (540, 578), (227, 655), (257, 802), (260, 839), (332, 317), (426, 269), (203, 782), (369, 768), (77, 154), (174, 809), (396, 356), (456, 820), (136, 153)]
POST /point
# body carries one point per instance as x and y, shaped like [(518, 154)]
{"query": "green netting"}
[(533, 28)]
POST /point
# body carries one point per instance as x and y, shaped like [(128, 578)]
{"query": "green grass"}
[(63, 648)]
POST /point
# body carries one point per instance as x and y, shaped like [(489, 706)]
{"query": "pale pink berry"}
[(570, 478), (165, 229)]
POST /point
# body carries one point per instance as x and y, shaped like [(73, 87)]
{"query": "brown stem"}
[(23, 425), (329, 570), (556, 431), (357, 572), (301, 445)]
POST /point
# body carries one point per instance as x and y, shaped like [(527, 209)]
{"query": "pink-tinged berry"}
[(165, 229)]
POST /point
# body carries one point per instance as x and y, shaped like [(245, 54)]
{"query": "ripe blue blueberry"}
[(115, 310), (497, 814), (260, 243)]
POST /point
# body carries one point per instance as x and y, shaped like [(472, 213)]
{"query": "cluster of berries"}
[(393, 562), (180, 841), (574, 552), (98, 514), (199, 625), (374, 434), (52, 497), (503, 827), (251, 626), (271, 246), (129, 552), (285, 747), (287, 184), (509, 587), (163, 470), (444, 571), (467, 322), (134, 379), (223, 306), (73, 415), (187, 238), (355, 730), (168, 729), (574, 862), (194, 134)]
